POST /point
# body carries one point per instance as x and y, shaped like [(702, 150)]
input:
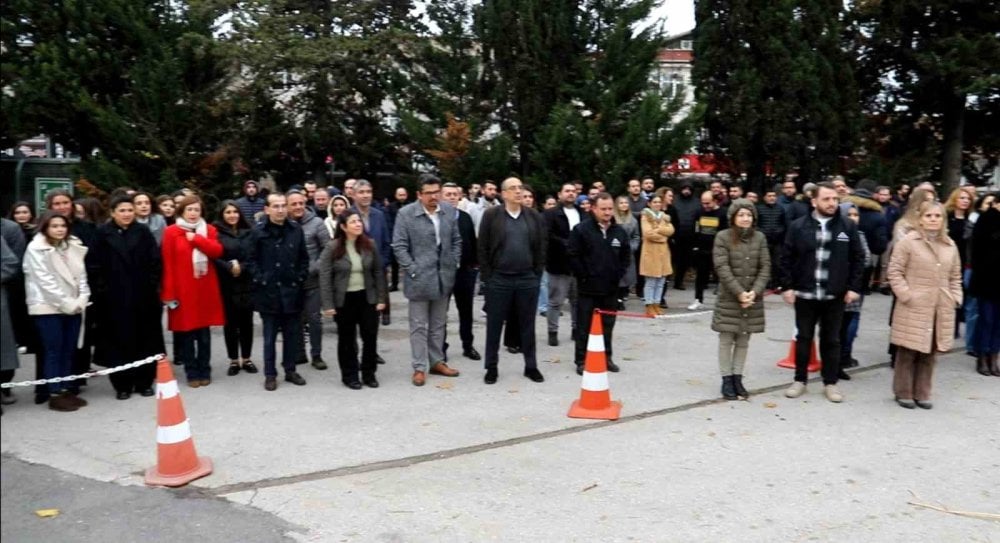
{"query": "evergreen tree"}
[(929, 74), (776, 85)]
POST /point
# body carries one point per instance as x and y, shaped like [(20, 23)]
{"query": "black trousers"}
[(828, 314), (506, 293), (356, 314), (772, 249), (680, 253), (703, 268), (238, 332), (465, 291), (290, 326), (135, 379), (585, 306)]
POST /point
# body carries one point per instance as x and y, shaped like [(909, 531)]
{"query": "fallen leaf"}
[(591, 487), (447, 385), (514, 391), (711, 434), (693, 382), (47, 513), (770, 405)]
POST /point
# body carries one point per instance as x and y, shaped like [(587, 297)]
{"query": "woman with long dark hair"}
[(353, 290), (24, 331), (235, 284), (166, 207), (126, 284), (145, 214), (191, 288), (55, 279)]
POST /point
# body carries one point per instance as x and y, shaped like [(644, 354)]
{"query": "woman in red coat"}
[(191, 288)]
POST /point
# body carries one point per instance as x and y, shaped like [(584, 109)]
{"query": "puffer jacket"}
[(55, 285), (926, 277), (741, 267)]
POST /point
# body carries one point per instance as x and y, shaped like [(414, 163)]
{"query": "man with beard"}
[(687, 206), (821, 265), (316, 237), (487, 200), (250, 204), (559, 222)]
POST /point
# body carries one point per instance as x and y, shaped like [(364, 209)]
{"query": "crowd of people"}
[(87, 281)]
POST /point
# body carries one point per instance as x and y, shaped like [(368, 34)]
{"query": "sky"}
[(679, 15)]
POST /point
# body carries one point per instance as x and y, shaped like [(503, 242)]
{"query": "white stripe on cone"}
[(594, 382), (168, 435), (167, 390), (595, 343)]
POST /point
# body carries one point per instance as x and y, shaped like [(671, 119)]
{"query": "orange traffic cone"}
[(177, 463), (789, 361), (595, 396)]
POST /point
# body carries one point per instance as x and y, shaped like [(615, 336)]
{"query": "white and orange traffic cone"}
[(177, 463), (789, 361), (595, 395)]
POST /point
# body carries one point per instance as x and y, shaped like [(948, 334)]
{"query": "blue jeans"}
[(290, 326), (849, 331), (194, 347), (653, 291), (543, 293), (987, 337), (971, 311), (59, 334)]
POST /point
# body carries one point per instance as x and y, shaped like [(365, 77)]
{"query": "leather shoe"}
[(534, 375), (843, 375), (370, 381), (319, 363), (419, 378), (442, 369), (123, 395), (147, 392), (579, 369), (472, 354), (379, 359), (513, 350), (923, 405), (612, 367), (386, 321), (294, 378), (353, 385), (553, 339), (270, 383), (491, 376)]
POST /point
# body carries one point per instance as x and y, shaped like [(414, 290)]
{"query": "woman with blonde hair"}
[(926, 276), (654, 262), (625, 219)]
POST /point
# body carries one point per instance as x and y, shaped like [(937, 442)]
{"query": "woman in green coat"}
[(743, 265)]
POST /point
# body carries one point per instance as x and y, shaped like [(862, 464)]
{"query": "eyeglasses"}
[(514, 187)]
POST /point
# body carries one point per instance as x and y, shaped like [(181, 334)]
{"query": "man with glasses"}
[(428, 247), (511, 257)]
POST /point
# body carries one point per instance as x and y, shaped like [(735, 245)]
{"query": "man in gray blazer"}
[(428, 246)]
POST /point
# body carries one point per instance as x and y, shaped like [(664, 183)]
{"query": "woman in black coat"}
[(125, 286), (236, 287)]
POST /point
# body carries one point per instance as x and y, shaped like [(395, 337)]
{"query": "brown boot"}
[(983, 364), (651, 310), (62, 402), (994, 368)]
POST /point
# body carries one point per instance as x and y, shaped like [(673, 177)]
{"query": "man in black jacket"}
[(821, 265), (468, 270), (279, 264), (772, 223), (511, 260), (559, 222), (599, 253), (687, 206)]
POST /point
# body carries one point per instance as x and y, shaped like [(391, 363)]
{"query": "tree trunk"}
[(954, 128)]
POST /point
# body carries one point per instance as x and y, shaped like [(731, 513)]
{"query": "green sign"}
[(45, 185)]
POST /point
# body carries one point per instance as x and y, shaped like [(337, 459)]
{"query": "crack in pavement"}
[(472, 449)]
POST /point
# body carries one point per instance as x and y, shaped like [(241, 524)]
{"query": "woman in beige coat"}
[(926, 277), (654, 259)]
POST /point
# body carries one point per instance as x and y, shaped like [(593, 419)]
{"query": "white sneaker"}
[(833, 394), (22, 350), (695, 306), (797, 389)]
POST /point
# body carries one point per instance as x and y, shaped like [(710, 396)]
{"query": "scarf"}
[(198, 258)]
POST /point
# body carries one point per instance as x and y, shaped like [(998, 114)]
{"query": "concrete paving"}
[(458, 460)]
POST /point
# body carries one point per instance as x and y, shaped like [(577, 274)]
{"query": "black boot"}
[(994, 368), (728, 389), (738, 385), (983, 364)]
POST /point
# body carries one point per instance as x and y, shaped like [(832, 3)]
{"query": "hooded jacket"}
[(873, 222), (742, 266), (599, 258)]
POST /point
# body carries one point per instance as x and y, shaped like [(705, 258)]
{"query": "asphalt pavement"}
[(458, 460)]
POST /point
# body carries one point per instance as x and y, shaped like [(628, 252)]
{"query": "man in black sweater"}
[(771, 222), (708, 222), (511, 260), (599, 254)]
